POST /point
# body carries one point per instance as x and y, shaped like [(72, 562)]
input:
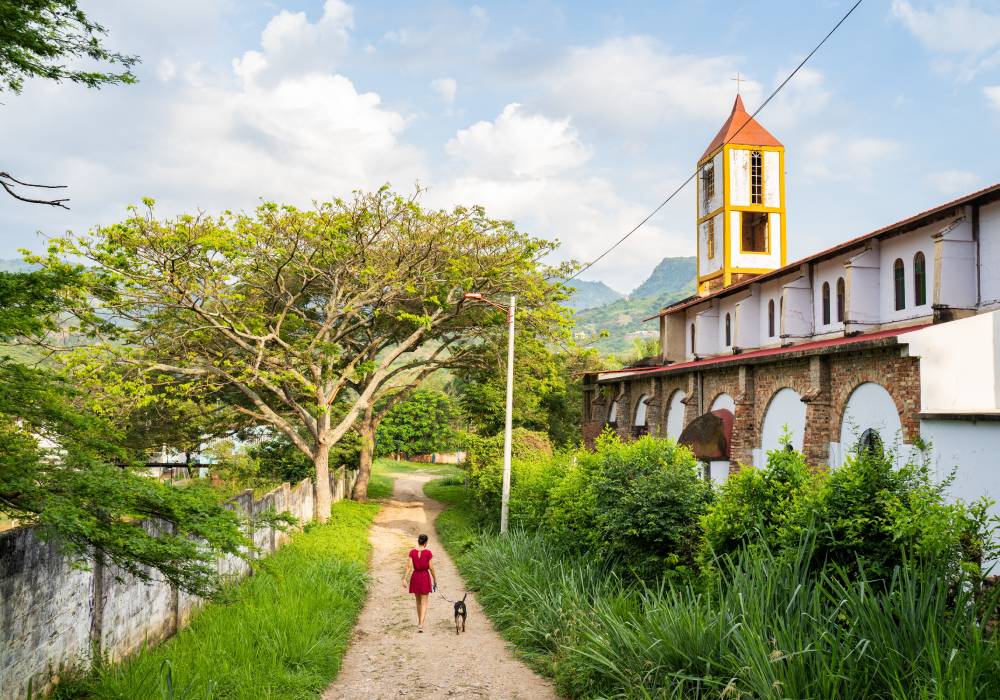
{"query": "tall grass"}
[(768, 629), (279, 634)]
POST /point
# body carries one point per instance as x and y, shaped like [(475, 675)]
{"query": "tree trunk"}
[(367, 430), (324, 498)]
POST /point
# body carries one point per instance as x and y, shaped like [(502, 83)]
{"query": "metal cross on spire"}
[(738, 80)]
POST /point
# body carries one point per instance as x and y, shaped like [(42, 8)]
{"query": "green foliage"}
[(421, 424), (571, 516), (758, 506), (280, 460), (650, 498), (484, 464), (279, 634), (49, 39)]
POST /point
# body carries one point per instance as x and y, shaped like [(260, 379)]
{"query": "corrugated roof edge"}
[(910, 221)]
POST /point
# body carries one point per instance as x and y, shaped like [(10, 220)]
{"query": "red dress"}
[(420, 581)]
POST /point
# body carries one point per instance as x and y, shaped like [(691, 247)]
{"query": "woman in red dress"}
[(421, 577)]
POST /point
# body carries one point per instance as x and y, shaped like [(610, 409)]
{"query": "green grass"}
[(280, 634), (380, 485)]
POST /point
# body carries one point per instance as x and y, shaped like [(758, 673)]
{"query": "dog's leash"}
[(454, 601)]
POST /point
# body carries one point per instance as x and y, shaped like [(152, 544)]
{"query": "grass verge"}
[(279, 634)]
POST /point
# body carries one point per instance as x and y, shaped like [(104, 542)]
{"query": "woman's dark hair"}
[(422, 540)]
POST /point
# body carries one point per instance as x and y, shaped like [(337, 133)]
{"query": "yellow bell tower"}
[(741, 203)]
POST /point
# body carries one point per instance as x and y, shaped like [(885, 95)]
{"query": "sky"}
[(574, 119)]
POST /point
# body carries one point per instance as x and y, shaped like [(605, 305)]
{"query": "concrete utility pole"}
[(508, 418)]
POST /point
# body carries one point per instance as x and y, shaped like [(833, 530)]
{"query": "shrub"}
[(484, 464), (280, 460), (571, 516), (650, 498), (757, 505)]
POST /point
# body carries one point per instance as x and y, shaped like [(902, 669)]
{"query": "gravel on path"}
[(388, 658)]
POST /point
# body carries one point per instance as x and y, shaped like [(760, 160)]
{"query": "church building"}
[(892, 336)]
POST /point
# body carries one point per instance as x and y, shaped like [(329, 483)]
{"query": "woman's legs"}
[(421, 608)]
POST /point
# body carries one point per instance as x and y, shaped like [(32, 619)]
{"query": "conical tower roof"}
[(740, 128)]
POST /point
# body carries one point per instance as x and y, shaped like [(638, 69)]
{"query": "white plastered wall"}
[(675, 414), (785, 409), (727, 306), (704, 207), (772, 179), (959, 364), (768, 292), (905, 248), (954, 266), (828, 271), (989, 253), (739, 177), (707, 265), (798, 316), (748, 320), (723, 401), (863, 274)]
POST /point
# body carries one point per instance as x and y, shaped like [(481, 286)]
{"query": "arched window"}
[(729, 332), (770, 318), (841, 300), (899, 284), (692, 339), (919, 279), (613, 413), (640, 411), (826, 303)]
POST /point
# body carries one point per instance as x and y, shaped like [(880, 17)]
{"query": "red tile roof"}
[(740, 128), (906, 224), (768, 352)]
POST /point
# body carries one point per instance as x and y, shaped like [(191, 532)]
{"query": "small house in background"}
[(891, 336)]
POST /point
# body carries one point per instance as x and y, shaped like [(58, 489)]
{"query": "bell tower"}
[(741, 203)]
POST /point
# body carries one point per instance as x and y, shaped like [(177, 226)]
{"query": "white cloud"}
[(633, 82), (291, 44), (167, 70), (952, 182), (993, 95), (517, 144), (967, 35), (446, 88), (836, 157)]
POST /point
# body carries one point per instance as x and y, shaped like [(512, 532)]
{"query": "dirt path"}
[(389, 659)]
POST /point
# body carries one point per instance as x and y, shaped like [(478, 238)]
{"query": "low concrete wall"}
[(53, 615)]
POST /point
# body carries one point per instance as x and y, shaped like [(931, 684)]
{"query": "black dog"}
[(460, 612)]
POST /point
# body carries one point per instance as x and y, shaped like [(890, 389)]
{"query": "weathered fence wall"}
[(53, 616)]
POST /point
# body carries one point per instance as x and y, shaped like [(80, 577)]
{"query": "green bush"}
[(571, 516), (650, 496), (420, 425), (280, 460), (757, 506), (484, 464)]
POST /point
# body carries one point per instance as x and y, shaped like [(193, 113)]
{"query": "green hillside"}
[(591, 294), (670, 281)]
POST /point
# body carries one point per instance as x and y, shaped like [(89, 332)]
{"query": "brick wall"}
[(824, 381), (53, 615)]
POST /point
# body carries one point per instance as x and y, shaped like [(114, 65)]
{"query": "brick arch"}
[(762, 413), (769, 380), (900, 376), (668, 401), (767, 407), (843, 396)]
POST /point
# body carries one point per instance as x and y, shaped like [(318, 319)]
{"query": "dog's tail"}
[(465, 596)]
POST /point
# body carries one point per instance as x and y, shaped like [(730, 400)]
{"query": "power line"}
[(729, 140)]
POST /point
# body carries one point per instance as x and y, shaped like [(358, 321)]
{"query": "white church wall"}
[(739, 177), (828, 271), (798, 309), (715, 201), (989, 253), (954, 266), (863, 276), (870, 406), (723, 401), (769, 292), (905, 248), (769, 260), (707, 265), (727, 306), (772, 179), (959, 364), (784, 410), (718, 471), (970, 448), (748, 320), (675, 414), (707, 332)]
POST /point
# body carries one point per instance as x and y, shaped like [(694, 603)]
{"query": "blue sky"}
[(572, 118)]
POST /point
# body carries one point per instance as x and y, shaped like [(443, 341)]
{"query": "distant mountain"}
[(673, 279), (591, 294), (671, 275)]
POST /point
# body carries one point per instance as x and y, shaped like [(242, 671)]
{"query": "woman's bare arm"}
[(409, 570), (434, 576)]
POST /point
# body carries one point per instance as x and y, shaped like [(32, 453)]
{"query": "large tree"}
[(67, 471), (300, 318), (53, 40)]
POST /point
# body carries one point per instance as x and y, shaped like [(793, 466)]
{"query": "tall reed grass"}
[(769, 628), (279, 634)]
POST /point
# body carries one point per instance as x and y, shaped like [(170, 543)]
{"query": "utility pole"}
[(508, 418)]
